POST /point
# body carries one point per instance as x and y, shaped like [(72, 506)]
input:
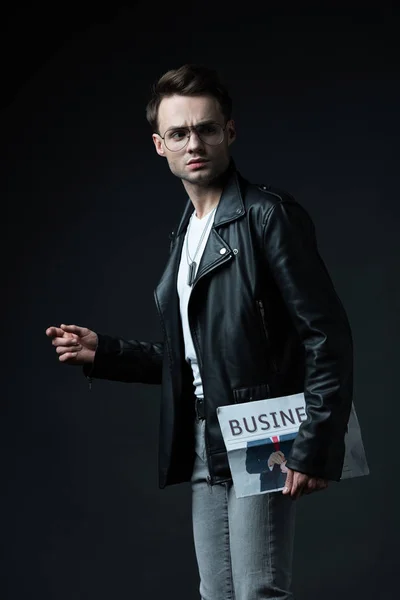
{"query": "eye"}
[(176, 134), (208, 128)]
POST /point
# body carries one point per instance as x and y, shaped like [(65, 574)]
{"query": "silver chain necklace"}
[(191, 262)]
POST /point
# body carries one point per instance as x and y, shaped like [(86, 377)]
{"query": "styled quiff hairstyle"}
[(188, 80)]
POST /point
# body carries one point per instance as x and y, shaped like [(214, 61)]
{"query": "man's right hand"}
[(74, 345)]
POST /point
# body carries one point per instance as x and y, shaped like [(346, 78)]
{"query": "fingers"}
[(71, 348), (65, 341), (66, 331), (310, 486), (67, 356), (54, 331), (295, 484), (307, 485), (316, 484), (277, 458), (299, 483), (80, 331), (322, 484), (288, 483), (280, 457)]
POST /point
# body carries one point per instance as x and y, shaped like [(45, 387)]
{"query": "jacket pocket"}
[(261, 312), (248, 394)]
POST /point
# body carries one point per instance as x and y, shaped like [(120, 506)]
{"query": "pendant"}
[(191, 275)]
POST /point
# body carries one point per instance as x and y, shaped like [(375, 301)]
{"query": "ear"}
[(158, 144), (231, 131)]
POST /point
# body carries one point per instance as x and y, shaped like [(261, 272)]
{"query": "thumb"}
[(79, 331), (288, 482)]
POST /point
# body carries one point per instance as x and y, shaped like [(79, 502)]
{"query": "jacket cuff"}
[(105, 345), (331, 472)]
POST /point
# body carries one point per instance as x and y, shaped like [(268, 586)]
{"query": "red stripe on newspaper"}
[(275, 439)]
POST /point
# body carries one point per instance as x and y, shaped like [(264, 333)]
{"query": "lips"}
[(196, 161)]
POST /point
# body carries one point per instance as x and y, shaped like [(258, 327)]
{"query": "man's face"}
[(187, 111)]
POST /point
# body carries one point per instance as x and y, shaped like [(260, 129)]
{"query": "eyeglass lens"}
[(209, 133)]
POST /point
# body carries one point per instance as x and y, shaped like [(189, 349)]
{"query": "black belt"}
[(199, 408)]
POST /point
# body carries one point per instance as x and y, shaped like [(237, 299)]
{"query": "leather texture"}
[(265, 320)]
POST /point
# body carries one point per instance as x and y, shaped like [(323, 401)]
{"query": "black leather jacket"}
[(265, 320)]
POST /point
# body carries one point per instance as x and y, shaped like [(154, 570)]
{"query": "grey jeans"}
[(243, 546)]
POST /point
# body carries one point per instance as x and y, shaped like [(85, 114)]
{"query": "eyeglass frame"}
[(190, 128)]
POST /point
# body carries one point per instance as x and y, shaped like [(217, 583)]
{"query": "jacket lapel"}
[(217, 251), (230, 207)]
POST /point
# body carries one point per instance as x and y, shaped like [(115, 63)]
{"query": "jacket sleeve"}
[(130, 361), (318, 315)]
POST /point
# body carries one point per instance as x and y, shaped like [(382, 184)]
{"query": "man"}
[(248, 311)]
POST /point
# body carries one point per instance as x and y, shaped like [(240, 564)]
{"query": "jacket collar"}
[(230, 205)]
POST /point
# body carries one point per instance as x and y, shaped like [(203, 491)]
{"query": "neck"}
[(205, 198)]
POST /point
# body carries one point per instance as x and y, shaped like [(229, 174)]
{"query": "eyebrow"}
[(204, 122)]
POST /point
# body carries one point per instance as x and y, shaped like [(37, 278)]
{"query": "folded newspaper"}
[(259, 435)]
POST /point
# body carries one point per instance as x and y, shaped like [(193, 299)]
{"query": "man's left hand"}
[(298, 484)]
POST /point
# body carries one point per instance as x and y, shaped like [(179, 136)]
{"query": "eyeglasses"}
[(210, 133)]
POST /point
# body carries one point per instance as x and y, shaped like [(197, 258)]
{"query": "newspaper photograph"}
[(259, 435)]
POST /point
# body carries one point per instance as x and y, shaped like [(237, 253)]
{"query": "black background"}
[(87, 207)]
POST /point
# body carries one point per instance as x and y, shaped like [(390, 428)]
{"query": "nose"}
[(194, 141)]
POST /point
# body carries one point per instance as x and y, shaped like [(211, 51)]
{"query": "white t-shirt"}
[(196, 228)]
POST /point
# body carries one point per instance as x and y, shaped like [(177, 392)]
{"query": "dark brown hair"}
[(188, 80)]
